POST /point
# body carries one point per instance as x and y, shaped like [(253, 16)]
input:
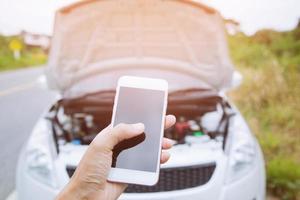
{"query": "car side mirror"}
[(42, 82), (237, 79)]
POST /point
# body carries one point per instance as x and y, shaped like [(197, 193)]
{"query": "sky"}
[(37, 15)]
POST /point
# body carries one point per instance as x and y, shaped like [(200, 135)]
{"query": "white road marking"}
[(41, 81), (17, 88)]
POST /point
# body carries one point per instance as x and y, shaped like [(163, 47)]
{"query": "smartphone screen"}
[(139, 105)]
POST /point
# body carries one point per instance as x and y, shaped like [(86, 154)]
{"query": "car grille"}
[(173, 178)]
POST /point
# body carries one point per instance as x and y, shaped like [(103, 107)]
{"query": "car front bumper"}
[(251, 186)]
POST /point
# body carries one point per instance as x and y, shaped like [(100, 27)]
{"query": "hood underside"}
[(131, 37)]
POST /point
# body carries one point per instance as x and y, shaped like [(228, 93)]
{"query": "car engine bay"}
[(202, 115)]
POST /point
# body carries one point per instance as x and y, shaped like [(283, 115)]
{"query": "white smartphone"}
[(138, 99)]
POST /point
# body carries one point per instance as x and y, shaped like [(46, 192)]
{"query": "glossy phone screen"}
[(139, 105)]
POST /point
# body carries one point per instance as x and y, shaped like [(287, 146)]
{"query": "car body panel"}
[(182, 41), (250, 186), (107, 36)]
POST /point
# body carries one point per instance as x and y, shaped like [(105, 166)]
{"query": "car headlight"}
[(240, 150), (39, 155)]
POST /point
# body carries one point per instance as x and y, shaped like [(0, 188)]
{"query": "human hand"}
[(90, 178)]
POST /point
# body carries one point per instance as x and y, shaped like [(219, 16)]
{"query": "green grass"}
[(270, 100), (29, 56)]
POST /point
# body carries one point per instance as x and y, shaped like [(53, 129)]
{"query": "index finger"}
[(170, 120)]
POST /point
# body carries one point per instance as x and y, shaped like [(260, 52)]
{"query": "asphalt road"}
[(22, 101)]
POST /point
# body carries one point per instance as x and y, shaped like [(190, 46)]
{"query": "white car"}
[(95, 42)]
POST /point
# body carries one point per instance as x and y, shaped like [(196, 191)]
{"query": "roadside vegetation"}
[(270, 100), (29, 56)]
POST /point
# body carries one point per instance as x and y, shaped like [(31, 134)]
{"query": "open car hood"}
[(159, 38)]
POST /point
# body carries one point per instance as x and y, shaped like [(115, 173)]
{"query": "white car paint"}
[(249, 186)]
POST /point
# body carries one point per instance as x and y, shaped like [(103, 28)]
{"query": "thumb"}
[(112, 136)]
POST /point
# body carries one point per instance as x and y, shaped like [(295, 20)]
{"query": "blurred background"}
[(264, 42)]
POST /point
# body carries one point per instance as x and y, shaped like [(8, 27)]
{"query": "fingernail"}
[(173, 117), (171, 142), (168, 155), (139, 127)]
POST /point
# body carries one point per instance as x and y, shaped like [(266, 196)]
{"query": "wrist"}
[(71, 192)]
